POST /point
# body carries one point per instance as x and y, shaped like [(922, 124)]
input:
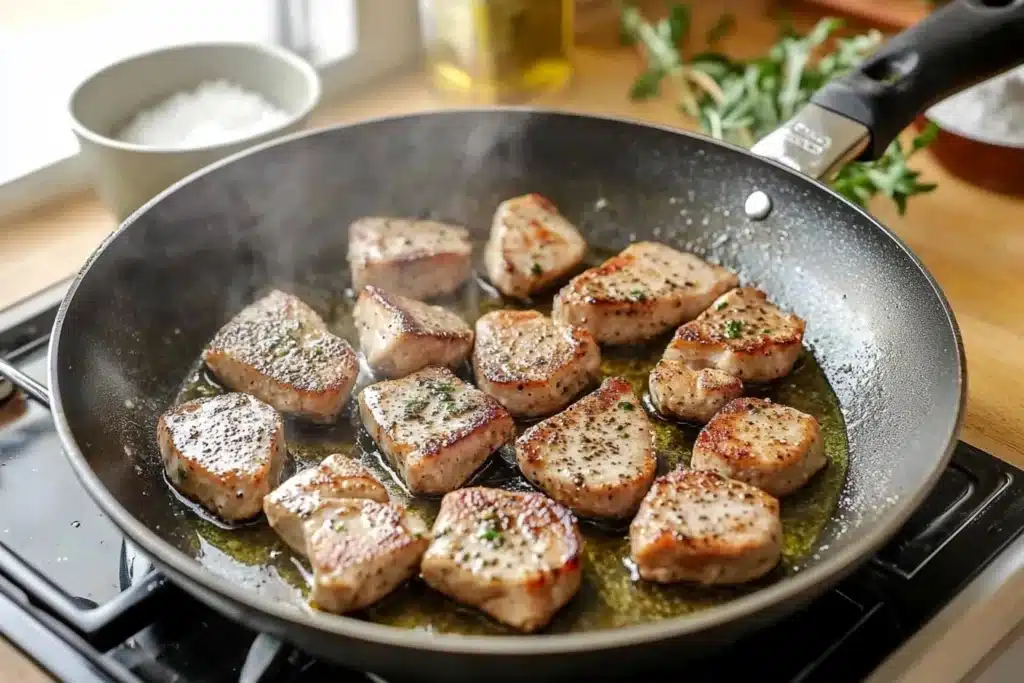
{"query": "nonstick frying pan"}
[(156, 290)]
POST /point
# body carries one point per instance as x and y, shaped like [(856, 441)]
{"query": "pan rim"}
[(193, 578)]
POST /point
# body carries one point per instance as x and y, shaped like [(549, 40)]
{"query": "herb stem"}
[(689, 100), (707, 84), (741, 101)]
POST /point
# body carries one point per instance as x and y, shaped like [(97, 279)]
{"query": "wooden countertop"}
[(971, 240)]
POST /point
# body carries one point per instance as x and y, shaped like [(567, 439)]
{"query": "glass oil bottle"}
[(498, 50)]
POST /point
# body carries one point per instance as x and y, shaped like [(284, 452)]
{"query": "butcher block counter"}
[(971, 240)]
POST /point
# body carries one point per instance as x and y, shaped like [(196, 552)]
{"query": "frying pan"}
[(155, 291)]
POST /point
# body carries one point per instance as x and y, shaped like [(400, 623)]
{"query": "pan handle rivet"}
[(758, 206)]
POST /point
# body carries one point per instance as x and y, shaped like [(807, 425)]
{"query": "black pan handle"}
[(961, 44), (858, 114)]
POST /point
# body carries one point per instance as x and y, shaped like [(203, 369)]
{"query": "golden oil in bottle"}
[(498, 50)]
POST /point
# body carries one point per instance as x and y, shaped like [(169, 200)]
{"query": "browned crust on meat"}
[(486, 363), (254, 474), (607, 396), (539, 532), (541, 201), (248, 342), (488, 413), (528, 444), (717, 433), (718, 436), (512, 316), (333, 470), (230, 475), (611, 392), (704, 331), (661, 372), (540, 235), (717, 386), (759, 346), (699, 549), (716, 381), (692, 483), (180, 409), (438, 259), (654, 252), (346, 550), (645, 474), (544, 236), (365, 229), (232, 478), (604, 397), (747, 403), (493, 416), (576, 290), (166, 436), (532, 513), (407, 323), (216, 358), (340, 466)]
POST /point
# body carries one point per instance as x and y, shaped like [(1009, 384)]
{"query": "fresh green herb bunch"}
[(742, 101)]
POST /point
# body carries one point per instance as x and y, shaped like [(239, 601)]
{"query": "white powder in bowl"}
[(215, 112), (991, 111)]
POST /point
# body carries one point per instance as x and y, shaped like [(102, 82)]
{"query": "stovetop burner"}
[(78, 599)]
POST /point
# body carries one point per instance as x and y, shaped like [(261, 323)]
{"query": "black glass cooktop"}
[(79, 601)]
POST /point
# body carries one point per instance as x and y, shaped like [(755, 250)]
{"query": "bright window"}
[(48, 46)]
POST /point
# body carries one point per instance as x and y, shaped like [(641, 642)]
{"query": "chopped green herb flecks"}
[(721, 305), (442, 389), (415, 407), (536, 269), (733, 329), (638, 295), (492, 533), (625, 405)]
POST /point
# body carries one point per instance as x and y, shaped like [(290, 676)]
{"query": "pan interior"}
[(610, 596), (154, 296)]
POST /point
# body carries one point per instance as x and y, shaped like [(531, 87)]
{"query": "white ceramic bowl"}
[(127, 175)]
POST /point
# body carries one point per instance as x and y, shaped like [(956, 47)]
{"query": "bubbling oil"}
[(611, 595)]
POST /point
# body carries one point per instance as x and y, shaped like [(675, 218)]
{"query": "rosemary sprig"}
[(741, 101)]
